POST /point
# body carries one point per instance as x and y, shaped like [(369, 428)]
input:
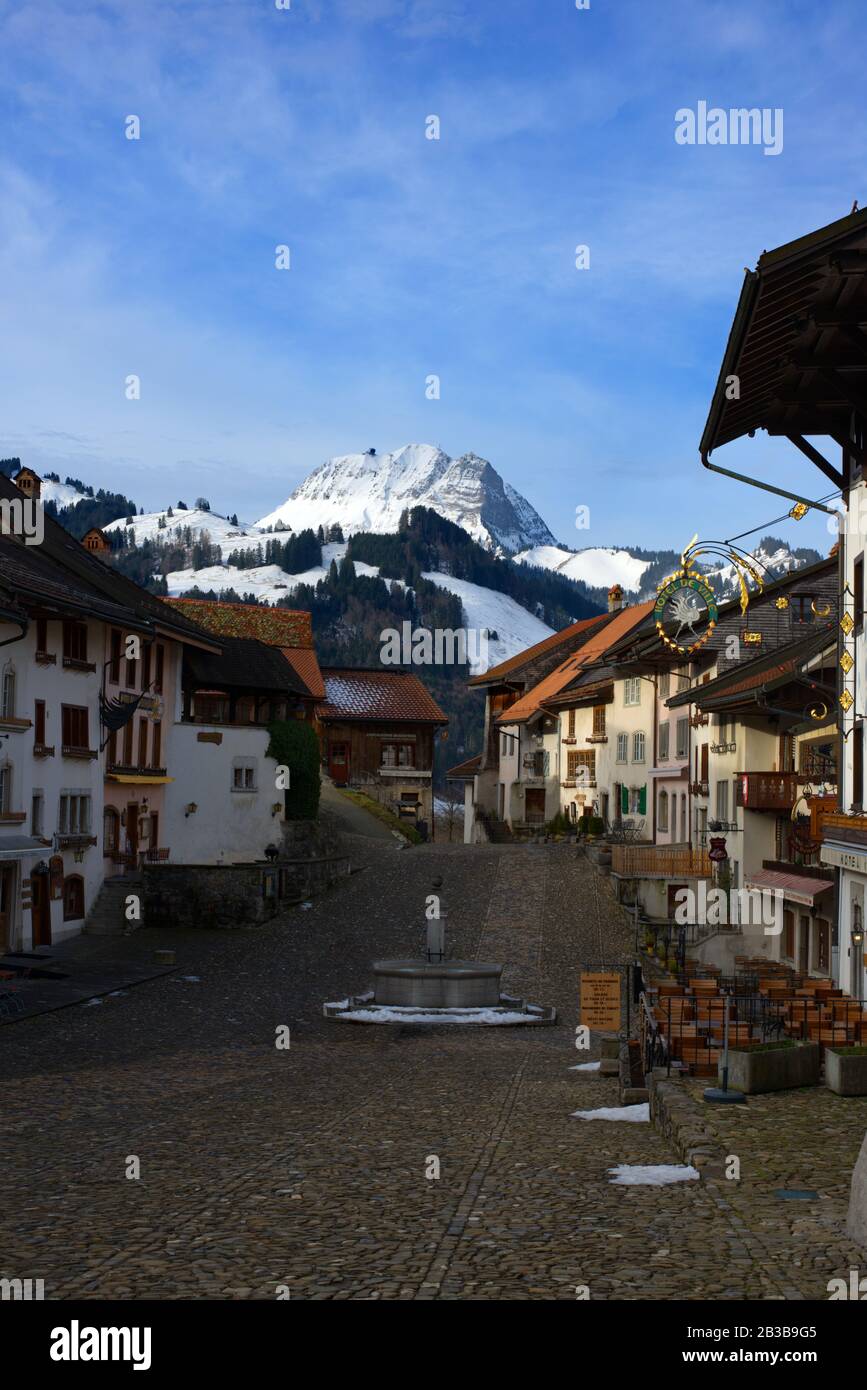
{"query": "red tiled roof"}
[(464, 771), (276, 627), (514, 663), (305, 665), (591, 649), (388, 695)]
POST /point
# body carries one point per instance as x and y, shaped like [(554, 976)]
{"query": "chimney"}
[(615, 598)]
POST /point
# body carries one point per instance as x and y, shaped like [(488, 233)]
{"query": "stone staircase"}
[(107, 917)]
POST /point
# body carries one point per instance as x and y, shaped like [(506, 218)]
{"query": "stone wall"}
[(243, 896)]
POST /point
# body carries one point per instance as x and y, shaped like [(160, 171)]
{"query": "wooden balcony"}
[(767, 791), (660, 861)]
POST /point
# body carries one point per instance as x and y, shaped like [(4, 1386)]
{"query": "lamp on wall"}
[(276, 808), (190, 810)]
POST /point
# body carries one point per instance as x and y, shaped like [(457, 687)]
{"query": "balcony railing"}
[(767, 791), (660, 861), (699, 788)]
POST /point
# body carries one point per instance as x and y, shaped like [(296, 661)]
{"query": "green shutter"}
[(642, 801), (624, 800)]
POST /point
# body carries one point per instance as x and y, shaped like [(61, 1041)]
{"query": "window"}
[(598, 721), (74, 818), (858, 765), (662, 816), (244, 775), (74, 641), (74, 726), (665, 685), (37, 814), (73, 897), (210, 709), (127, 744), (858, 587), (110, 830), (632, 691), (7, 701), (132, 666), (5, 789), (160, 667), (581, 765), (39, 721), (722, 801), (114, 668), (142, 743), (157, 744), (664, 732), (147, 655), (682, 738), (397, 755), (638, 743), (622, 747), (42, 635), (540, 763), (636, 800), (722, 723), (571, 733)]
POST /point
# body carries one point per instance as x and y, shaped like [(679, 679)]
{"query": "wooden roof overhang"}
[(581, 697), (798, 346), (777, 685)]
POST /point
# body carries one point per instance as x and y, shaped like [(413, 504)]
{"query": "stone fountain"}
[(433, 989)]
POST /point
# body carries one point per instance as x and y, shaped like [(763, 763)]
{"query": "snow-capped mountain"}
[(368, 492)]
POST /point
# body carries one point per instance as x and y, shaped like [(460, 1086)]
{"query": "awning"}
[(676, 773), (137, 780), (21, 846), (796, 888)]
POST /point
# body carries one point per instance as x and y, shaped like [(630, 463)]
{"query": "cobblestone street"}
[(306, 1168)]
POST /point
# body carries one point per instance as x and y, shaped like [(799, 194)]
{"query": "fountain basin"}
[(451, 984)]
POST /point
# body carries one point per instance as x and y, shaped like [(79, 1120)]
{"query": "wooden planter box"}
[(772, 1068), (846, 1074)]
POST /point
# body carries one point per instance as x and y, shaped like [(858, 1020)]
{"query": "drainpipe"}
[(18, 619), (765, 487)]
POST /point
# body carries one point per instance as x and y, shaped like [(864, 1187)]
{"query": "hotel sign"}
[(844, 858)]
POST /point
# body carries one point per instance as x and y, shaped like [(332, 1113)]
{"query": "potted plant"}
[(595, 827), (846, 1070)]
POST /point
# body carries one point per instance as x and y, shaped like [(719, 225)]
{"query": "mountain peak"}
[(368, 492)]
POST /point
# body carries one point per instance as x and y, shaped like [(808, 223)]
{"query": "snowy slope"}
[(486, 609), (221, 531), (596, 566), (365, 492), (62, 493)]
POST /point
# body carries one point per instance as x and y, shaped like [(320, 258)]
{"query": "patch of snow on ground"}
[(634, 1114), (652, 1175), (397, 1013), (586, 1066)]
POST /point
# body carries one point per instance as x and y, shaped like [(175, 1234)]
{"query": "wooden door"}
[(535, 806), (41, 909), (338, 762), (7, 884), (132, 830), (804, 946)]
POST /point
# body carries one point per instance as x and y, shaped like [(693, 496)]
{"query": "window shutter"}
[(642, 801), (624, 800)]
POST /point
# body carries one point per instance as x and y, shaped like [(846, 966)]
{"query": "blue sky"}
[(410, 256)]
